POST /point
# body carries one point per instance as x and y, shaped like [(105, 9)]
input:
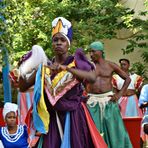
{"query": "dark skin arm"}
[(80, 74), (144, 105), (24, 84), (124, 76), (146, 128)]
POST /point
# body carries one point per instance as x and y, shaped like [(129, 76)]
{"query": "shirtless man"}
[(104, 70), (102, 101)]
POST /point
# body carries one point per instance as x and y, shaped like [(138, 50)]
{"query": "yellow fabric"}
[(60, 75), (42, 109), (57, 28)]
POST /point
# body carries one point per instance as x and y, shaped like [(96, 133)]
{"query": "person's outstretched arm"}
[(89, 76)]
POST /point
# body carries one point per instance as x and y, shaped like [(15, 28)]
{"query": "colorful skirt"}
[(129, 106), (25, 101)]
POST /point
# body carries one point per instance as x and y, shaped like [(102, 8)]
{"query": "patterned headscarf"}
[(63, 26), (9, 107), (98, 46)]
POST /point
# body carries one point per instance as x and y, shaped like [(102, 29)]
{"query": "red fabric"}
[(84, 93), (23, 106), (123, 105), (28, 119), (29, 124), (133, 126), (96, 137), (2, 123), (139, 82)]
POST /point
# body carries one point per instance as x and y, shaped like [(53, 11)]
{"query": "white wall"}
[(137, 5), (114, 53), (113, 47)]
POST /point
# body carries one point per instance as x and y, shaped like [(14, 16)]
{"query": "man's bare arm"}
[(90, 76), (124, 76)]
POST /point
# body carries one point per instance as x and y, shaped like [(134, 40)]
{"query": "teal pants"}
[(110, 125)]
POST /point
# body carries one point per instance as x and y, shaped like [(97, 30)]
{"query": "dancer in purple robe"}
[(70, 123)]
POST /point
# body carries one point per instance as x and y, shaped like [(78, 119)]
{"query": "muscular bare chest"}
[(103, 80), (104, 70)]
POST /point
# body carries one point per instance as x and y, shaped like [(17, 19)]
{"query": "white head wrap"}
[(62, 25), (9, 107)]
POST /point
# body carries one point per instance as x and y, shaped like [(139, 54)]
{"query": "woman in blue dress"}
[(13, 135)]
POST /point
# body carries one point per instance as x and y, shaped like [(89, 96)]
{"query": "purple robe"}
[(71, 102)]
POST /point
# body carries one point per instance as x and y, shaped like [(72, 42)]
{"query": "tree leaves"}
[(28, 22)]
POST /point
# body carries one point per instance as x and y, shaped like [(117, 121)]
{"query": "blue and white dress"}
[(143, 99), (16, 140)]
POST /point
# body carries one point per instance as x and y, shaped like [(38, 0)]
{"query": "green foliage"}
[(140, 69), (1, 89), (139, 41), (28, 22)]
